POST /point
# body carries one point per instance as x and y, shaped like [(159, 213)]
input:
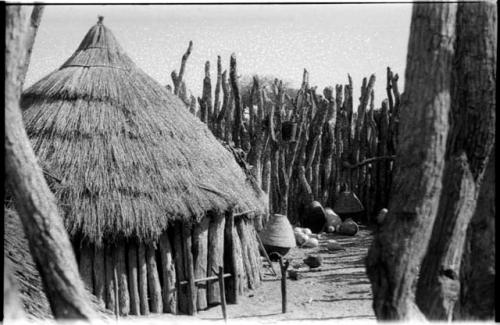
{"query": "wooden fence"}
[(335, 148)]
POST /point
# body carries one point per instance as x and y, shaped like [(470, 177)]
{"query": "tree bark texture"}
[(48, 239), (477, 273), (399, 246), (471, 137)]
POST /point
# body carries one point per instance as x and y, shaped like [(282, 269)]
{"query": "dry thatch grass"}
[(23, 267), (131, 155)]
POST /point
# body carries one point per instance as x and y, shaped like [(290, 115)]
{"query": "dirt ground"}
[(339, 291)]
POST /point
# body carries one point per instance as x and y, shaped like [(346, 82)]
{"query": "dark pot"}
[(276, 249), (315, 217), (288, 131)]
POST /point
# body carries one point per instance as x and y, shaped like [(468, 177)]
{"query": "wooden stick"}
[(123, 285), (115, 276), (237, 123), (283, 267), (200, 258), (231, 258), (215, 253), (110, 284), (133, 278), (189, 268), (179, 269), (169, 293), (154, 287), (209, 278), (243, 213), (220, 274), (143, 279), (263, 251), (346, 164), (178, 79)]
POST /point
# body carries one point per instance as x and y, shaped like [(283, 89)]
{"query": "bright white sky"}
[(329, 40)]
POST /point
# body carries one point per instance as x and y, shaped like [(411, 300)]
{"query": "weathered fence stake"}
[(263, 250), (283, 267), (115, 275), (220, 275)]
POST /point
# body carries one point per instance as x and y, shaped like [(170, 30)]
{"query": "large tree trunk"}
[(48, 239), (472, 133), (477, 272), (400, 244)]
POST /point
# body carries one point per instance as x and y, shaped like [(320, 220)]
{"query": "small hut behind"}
[(150, 196)]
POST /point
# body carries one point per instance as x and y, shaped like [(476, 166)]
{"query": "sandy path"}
[(341, 289)]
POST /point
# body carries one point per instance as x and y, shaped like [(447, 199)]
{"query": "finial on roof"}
[(100, 19)]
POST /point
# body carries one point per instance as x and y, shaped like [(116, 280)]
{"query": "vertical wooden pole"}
[(200, 256), (222, 292), (283, 267), (143, 279), (115, 281), (245, 256), (179, 269), (100, 275), (86, 265), (230, 259), (121, 270), (156, 302), (110, 283), (254, 251), (189, 268), (168, 275), (133, 278), (215, 254)]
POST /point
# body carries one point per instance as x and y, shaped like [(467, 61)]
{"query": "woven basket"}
[(348, 202), (278, 232)]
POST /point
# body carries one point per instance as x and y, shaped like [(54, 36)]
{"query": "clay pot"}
[(348, 227), (315, 217), (332, 219)]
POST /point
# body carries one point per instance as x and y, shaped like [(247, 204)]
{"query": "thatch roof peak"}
[(99, 48), (131, 156)]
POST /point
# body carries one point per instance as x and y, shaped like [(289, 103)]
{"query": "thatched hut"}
[(150, 197)]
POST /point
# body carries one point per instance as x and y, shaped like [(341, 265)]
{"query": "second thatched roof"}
[(132, 157)]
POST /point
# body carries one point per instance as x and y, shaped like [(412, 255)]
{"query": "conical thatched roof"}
[(132, 156)]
